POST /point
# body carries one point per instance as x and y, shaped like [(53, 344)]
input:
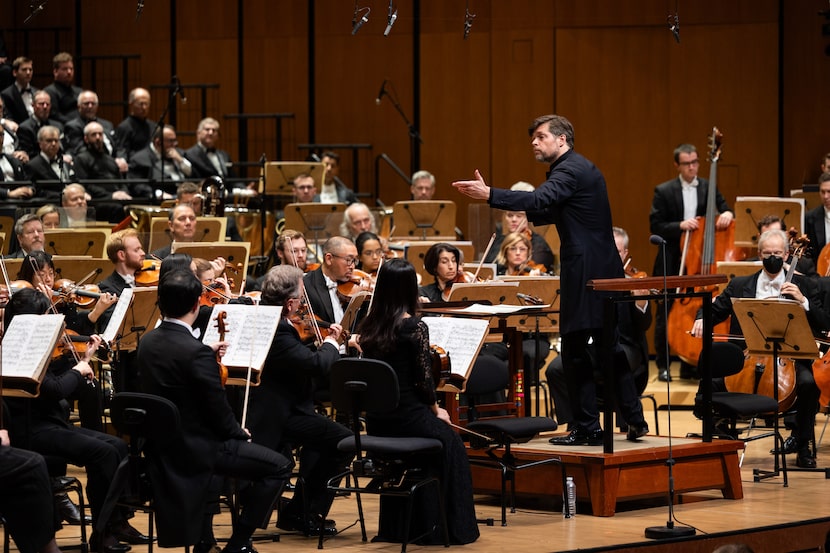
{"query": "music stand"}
[(77, 268), (208, 229), (317, 222), (89, 242), (487, 271), (779, 327), (280, 175), (235, 253), (424, 220), (350, 314), (736, 268), (140, 317), (751, 209)]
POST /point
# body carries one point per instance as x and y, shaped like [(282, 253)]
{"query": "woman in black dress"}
[(394, 333)]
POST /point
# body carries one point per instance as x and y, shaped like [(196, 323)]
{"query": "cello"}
[(701, 250)]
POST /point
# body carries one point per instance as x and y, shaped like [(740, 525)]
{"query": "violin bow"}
[(483, 257), (317, 334), (248, 379)]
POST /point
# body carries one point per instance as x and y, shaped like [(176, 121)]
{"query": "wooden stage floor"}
[(770, 517)]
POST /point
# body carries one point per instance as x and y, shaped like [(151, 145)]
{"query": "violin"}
[(148, 274), (72, 344), (441, 368), (361, 281), (632, 272), (461, 277), (213, 293), (307, 326), (222, 328), (311, 267), (14, 286), (84, 295), (528, 268)]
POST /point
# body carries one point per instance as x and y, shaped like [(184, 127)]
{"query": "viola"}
[(71, 343), (360, 281), (222, 328), (148, 274), (821, 372), (441, 368), (83, 295), (213, 293)]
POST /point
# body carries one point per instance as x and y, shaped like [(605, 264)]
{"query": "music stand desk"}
[(80, 241), (751, 209), (208, 229), (76, 268), (235, 253), (318, 222), (280, 175), (424, 220)]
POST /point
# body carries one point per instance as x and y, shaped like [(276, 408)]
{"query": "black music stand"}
[(780, 327), (424, 220)]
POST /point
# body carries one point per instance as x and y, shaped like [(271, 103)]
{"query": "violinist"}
[(337, 266), (282, 409), (513, 258), (771, 282), (675, 208), (297, 254), (443, 261), (369, 252)]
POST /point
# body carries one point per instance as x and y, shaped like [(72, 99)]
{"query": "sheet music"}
[(118, 315), (250, 330), (28, 344), (460, 338), (481, 309)]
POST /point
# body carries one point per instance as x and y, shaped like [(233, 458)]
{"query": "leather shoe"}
[(126, 533), (205, 546), (790, 445), (106, 544), (579, 436), (636, 432), (68, 511), (247, 548), (664, 376), (805, 459), (309, 527)]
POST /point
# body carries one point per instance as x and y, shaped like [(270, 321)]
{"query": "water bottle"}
[(569, 498)]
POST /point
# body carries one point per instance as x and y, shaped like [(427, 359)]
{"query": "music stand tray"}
[(751, 209), (89, 242), (424, 220), (141, 317), (235, 253), (280, 175), (317, 222)]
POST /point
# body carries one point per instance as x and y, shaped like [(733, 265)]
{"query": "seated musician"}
[(292, 249), (394, 333), (771, 282), (192, 193), (443, 261), (337, 266), (282, 410), (633, 320), (41, 423), (356, 219), (513, 258), (182, 228), (369, 252), (50, 216), (805, 265)]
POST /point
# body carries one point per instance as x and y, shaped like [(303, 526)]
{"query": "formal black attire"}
[(574, 197), (26, 502), (281, 413), (318, 294), (64, 101), (431, 292), (18, 174), (145, 164), (27, 134), (39, 169), (202, 165), (815, 231), (131, 135), (410, 357), (73, 132), (344, 194), (13, 103), (212, 441), (125, 367)]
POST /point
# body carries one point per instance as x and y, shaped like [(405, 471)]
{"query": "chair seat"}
[(516, 429), (391, 445), (742, 405)]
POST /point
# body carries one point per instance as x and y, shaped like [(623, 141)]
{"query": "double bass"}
[(701, 251)]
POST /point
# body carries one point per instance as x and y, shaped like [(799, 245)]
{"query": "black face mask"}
[(773, 264)]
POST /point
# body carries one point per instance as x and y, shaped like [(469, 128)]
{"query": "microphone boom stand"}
[(160, 129), (414, 135)]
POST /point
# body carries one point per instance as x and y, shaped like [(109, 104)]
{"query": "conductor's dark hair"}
[(435, 251), (25, 301), (557, 125), (179, 291), (396, 294)]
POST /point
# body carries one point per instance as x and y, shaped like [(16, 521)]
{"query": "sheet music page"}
[(249, 329), (118, 315), (28, 344), (481, 309), (460, 338)]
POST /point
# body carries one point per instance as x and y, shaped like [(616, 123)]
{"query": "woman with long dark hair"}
[(393, 332)]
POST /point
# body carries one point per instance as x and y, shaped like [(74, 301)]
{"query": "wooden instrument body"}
[(758, 377)]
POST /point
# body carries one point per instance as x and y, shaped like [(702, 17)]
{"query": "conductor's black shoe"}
[(636, 432), (309, 527), (805, 459), (579, 436), (664, 376)]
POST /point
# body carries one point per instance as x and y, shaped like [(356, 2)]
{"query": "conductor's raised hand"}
[(476, 188)]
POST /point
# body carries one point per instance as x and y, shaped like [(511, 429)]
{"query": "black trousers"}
[(26, 498)]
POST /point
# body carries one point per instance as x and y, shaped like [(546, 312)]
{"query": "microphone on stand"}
[(138, 9), (390, 19), (179, 90), (382, 92)]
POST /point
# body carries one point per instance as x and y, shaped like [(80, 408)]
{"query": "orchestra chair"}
[(144, 418), (390, 466), (486, 379), (56, 466)]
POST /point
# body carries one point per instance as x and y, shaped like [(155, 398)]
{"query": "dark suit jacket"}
[(89, 164), (574, 197), (667, 214), (27, 135), (814, 229), (74, 133), (287, 384), (132, 135), (13, 103), (64, 101), (202, 167), (145, 164), (39, 170), (318, 294), (344, 194), (17, 169), (177, 366)]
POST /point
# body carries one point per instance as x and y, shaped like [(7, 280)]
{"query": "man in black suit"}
[(88, 113), (64, 94), (146, 163), (30, 237), (282, 408), (181, 226), (771, 282), (574, 197), (48, 165), (19, 96), (179, 367), (675, 209), (12, 170), (206, 158), (333, 190), (135, 132), (336, 266), (94, 162), (817, 219), (27, 132)]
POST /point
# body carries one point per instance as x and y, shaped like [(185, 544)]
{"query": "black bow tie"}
[(211, 150)]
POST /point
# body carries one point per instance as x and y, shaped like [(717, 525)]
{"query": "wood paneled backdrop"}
[(757, 69)]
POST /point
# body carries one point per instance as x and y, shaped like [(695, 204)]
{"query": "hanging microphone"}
[(381, 93), (179, 90), (390, 20), (674, 26), (138, 9), (656, 239), (357, 24)]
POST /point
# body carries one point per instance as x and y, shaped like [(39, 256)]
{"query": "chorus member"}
[(11, 169), (161, 162), (29, 232), (48, 165), (333, 189), (282, 408), (771, 281), (27, 132), (19, 96), (206, 158), (356, 219), (423, 186), (676, 208), (337, 266), (574, 197), (513, 257), (42, 424), (63, 92), (213, 441), (88, 113), (369, 252), (516, 221), (50, 216), (135, 131), (393, 332), (74, 204), (816, 220), (443, 261), (182, 225), (634, 319)]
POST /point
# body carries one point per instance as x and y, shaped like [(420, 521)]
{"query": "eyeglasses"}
[(777, 253), (517, 249), (348, 259)]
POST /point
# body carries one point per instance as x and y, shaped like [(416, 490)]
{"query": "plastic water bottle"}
[(569, 498)]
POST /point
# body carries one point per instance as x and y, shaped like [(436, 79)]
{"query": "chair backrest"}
[(154, 418), (363, 385), (727, 359), (489, 374)]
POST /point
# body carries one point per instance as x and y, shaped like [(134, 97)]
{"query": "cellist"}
[(770, 281), (675, 209)]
